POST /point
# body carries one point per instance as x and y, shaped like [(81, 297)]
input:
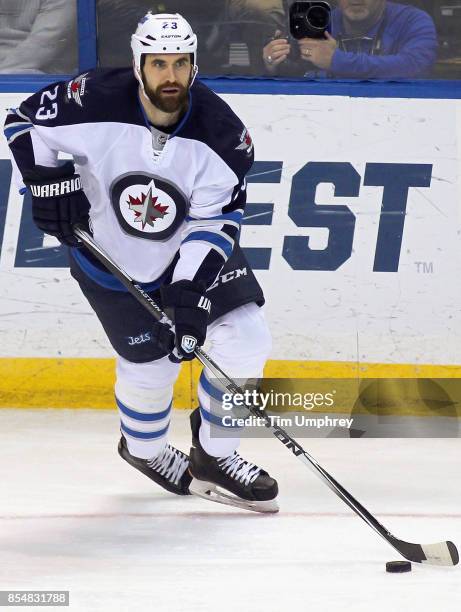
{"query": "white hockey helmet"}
[(163, 33)]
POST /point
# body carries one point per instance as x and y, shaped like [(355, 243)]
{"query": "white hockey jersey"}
[(152, 194)]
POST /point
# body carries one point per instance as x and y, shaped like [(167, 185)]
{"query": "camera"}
[(309, 19)]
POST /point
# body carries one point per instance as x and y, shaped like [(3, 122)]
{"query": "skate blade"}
[(210, 491)]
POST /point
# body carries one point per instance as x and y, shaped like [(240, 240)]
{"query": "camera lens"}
[(318, 17)]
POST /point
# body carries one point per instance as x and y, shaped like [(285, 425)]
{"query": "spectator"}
[(261, 11), (255, 21), (38, 36), (370, 39)]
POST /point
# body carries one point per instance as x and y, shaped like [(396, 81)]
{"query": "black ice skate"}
[(169, 469), (245, 484)]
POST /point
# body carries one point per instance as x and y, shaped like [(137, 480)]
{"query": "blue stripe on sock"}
[(212, 391), (144, 435), (215, 393), (138, 416), (216, 420)]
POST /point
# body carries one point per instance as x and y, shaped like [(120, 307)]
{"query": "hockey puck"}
[(398, 567)]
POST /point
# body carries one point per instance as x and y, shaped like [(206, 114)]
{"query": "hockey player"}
[(158, 172)]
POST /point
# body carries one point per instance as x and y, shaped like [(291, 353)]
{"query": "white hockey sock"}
[(144, 418), (215, 439), (214, 446)]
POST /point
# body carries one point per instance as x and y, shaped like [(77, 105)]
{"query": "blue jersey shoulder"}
[(213, 122), (91, 97)]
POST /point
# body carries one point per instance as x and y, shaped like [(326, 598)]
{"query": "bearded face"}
[(168, 97), (166, 79)]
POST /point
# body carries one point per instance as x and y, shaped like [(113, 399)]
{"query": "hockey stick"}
[(441, 553)]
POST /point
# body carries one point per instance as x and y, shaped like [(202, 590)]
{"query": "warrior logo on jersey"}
[(246, 144), (76, 88), (148, 206)]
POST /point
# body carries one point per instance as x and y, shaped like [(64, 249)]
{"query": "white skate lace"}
[(239, 469), (171, 463)]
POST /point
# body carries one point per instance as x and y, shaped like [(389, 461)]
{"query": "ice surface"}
[(74, 516)]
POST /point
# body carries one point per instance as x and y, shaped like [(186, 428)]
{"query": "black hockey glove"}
[(58, 201), (186, 304)]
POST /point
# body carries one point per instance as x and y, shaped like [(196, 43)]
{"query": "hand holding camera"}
[(276, 51), (318, 52), (309, 39)]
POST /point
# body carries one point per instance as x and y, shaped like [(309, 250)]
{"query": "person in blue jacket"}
[(368, 39)]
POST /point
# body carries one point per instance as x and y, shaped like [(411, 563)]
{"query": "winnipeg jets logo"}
[(246, 143), (76, 88), (147, 208)]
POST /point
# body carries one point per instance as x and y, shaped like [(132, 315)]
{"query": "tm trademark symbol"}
[(424, 267)]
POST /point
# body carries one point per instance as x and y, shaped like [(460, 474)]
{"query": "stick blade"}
[(441, 553)]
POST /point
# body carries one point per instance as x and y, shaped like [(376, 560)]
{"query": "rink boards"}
[(352, 227)]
